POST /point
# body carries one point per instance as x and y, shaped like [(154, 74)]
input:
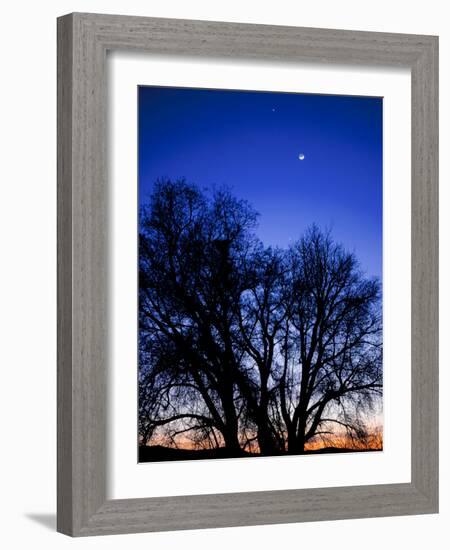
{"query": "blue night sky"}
[(250, 142)]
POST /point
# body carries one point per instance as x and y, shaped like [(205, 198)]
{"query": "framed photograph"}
[(247, 274), (259, 333)]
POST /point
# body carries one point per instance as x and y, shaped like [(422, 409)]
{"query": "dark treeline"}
[(248, 347)]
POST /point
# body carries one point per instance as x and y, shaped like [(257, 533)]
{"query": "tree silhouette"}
[(190, 282), (246, 347), (332, 350)]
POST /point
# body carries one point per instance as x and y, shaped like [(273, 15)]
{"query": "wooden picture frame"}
[(83, 40)]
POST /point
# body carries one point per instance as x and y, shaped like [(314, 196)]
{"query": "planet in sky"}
[(301, 156)]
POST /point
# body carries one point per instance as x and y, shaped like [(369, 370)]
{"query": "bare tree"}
[(247, 347), (190, 283), (332, 350)]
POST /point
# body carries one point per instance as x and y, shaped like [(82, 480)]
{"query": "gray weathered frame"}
[(83, 40)]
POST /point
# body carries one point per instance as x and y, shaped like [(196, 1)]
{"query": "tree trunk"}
[(296, 439), (231, 424), (267, 444)]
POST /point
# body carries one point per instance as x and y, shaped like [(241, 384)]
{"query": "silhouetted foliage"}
[(247, 347)]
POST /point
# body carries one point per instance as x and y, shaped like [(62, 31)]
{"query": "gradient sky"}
[(251, 141)]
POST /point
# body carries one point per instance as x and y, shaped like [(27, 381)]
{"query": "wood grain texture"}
[(83, 40), (64, 274), (425, 272)]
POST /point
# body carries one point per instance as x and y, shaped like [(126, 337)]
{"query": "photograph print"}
[(260, 274)]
